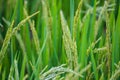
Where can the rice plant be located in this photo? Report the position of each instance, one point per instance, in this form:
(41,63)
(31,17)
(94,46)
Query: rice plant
(59,39)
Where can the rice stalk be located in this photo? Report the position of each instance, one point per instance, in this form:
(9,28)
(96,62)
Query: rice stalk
(6,21)
(25,77)
(16,70)
(1,25)
(10,76)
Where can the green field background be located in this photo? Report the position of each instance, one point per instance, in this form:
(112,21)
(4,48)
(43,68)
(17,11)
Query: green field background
(59,39)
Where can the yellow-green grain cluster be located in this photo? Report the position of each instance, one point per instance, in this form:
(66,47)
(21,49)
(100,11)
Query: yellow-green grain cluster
(70,46)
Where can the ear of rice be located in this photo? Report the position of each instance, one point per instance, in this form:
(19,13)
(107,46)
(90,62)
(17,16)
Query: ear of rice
(76,19)
(11,32)
(10,77)
(116,74)
(56,71)
(23,22)
(6,42)
(108,42)
(70,46)
(35,36)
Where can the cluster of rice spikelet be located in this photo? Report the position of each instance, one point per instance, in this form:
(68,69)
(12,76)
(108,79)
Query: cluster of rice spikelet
(34,33)
(70,46)
(12,31)
(6,42)
(76,18)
